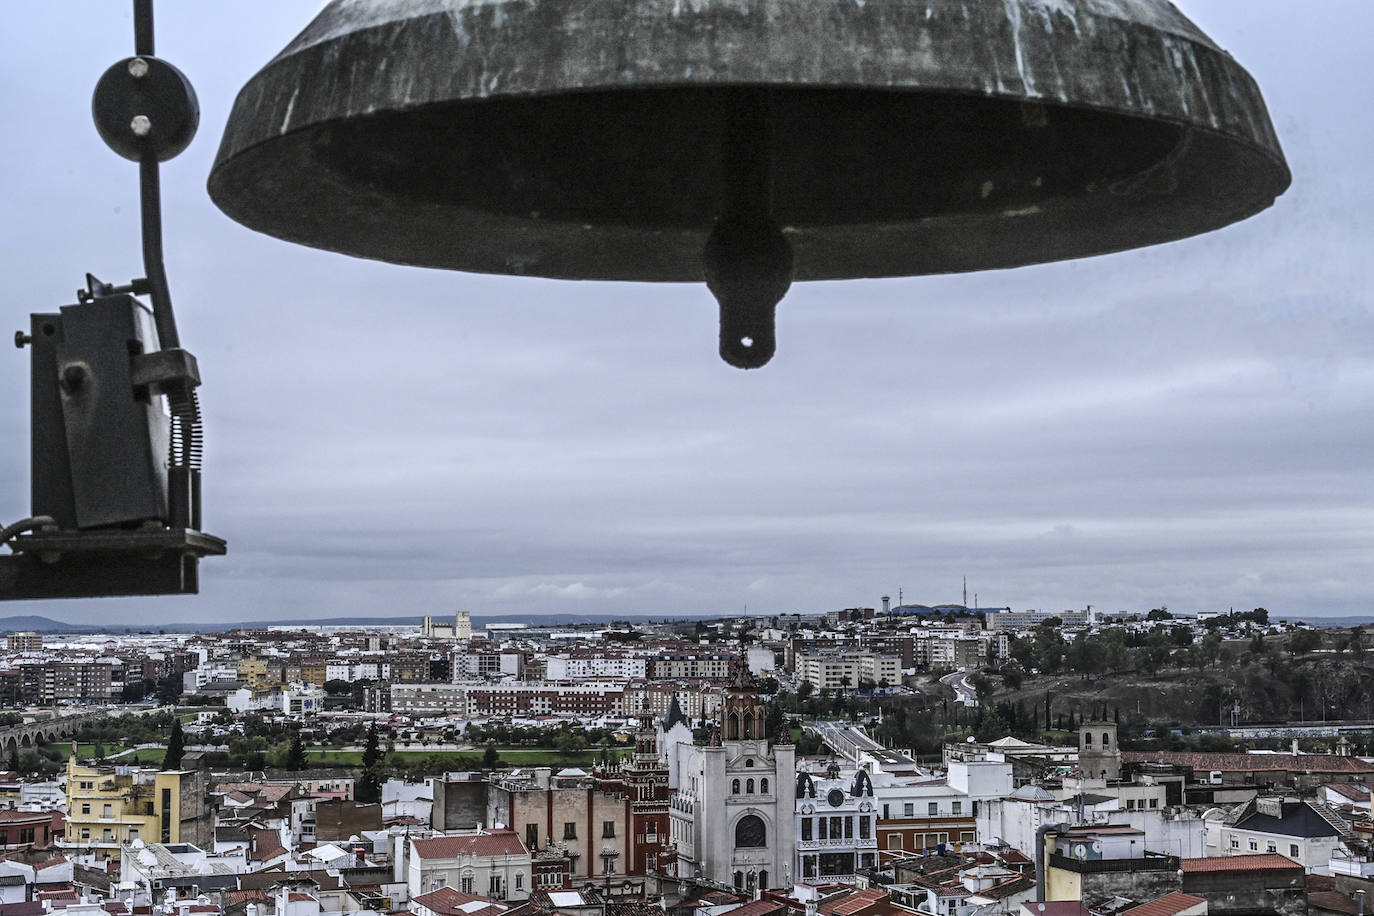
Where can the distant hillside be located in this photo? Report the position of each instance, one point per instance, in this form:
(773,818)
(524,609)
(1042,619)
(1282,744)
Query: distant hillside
(41,624)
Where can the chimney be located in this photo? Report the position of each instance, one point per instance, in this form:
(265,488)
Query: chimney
(360,856)
(1295,746)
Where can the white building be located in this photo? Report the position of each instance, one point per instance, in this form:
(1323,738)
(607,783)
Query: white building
(837,826)
(733,815)
(495,862)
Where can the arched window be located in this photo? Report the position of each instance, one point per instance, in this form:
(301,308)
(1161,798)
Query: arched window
(749,787)
(1106,738)
(734,787)
(751,832)
(739,880)
(749,761)
(763,786)
(1087,739)
(763,880)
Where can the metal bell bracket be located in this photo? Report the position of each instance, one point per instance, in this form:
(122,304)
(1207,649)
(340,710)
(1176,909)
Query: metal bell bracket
(115,478)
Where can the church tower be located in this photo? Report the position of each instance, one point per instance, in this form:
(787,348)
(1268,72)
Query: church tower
(733,815)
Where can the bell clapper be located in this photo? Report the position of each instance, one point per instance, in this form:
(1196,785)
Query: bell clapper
(747,260)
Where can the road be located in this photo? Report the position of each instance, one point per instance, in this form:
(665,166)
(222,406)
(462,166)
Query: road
(963,690)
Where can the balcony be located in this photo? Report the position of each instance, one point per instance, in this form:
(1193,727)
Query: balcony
(850,843)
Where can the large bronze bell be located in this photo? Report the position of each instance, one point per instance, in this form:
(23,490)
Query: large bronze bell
(745,142)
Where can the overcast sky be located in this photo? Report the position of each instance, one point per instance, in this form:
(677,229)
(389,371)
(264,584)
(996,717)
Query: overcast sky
(1187,425)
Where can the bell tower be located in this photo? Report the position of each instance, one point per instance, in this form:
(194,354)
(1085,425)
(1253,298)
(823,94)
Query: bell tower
(743,713)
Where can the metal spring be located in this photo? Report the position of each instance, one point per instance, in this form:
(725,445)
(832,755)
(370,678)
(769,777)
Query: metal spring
(186,441)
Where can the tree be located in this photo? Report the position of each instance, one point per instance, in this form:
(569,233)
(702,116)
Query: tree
(491,757)
(804,690)
(175,747)
(295,755)
(568,746)
(1301,642)
(369,787)
(1013,676)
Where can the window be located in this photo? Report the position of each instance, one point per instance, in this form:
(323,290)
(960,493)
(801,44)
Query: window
(1106,739)
(734,787)
(532,836)
(863,827)
(749,762)
(806,828)
(908,809)
(739,880)
(608,865)
(886,815)
(607,830)
(1235,843)
(763,880)
(763,787)
(107,812)
(519,880)
(751,832)
(1154,803)
(85,809)
(894,841)
(651,862)
(1254,846)
(1293,850)
(1272,847)
(958,808)
(749,787)
(569,830)
(494,886)
(932,809)
(1087,739)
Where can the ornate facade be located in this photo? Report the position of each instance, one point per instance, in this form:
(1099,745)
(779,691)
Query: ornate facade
(732,813)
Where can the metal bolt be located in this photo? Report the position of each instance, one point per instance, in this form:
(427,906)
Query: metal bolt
(73,377)
(21,339)
(138,68)
(140,125)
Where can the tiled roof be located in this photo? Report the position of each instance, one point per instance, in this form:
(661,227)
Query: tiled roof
(1167,905)
(1264,861)
(853,903)
(264,844)
(1350,790)
(760,907)
(1332,901)
(1253,763)
(497,843)
(449,902)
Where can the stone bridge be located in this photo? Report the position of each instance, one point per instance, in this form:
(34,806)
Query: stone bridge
(15,739)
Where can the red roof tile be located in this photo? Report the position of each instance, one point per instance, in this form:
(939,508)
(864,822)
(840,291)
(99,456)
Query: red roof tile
(449,902)
(497,843)
(1264,861)
(1253,763)
(1167,905)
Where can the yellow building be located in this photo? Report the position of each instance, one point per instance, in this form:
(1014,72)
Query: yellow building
(253,675)
(109,806)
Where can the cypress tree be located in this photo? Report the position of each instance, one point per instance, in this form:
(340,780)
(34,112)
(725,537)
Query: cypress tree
(175,746)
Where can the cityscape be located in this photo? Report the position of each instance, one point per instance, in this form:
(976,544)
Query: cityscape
(894,759)
(1027,571)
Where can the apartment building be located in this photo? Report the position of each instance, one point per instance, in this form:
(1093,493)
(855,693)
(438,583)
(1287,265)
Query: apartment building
(677,666)
(110,806)
(849,670)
